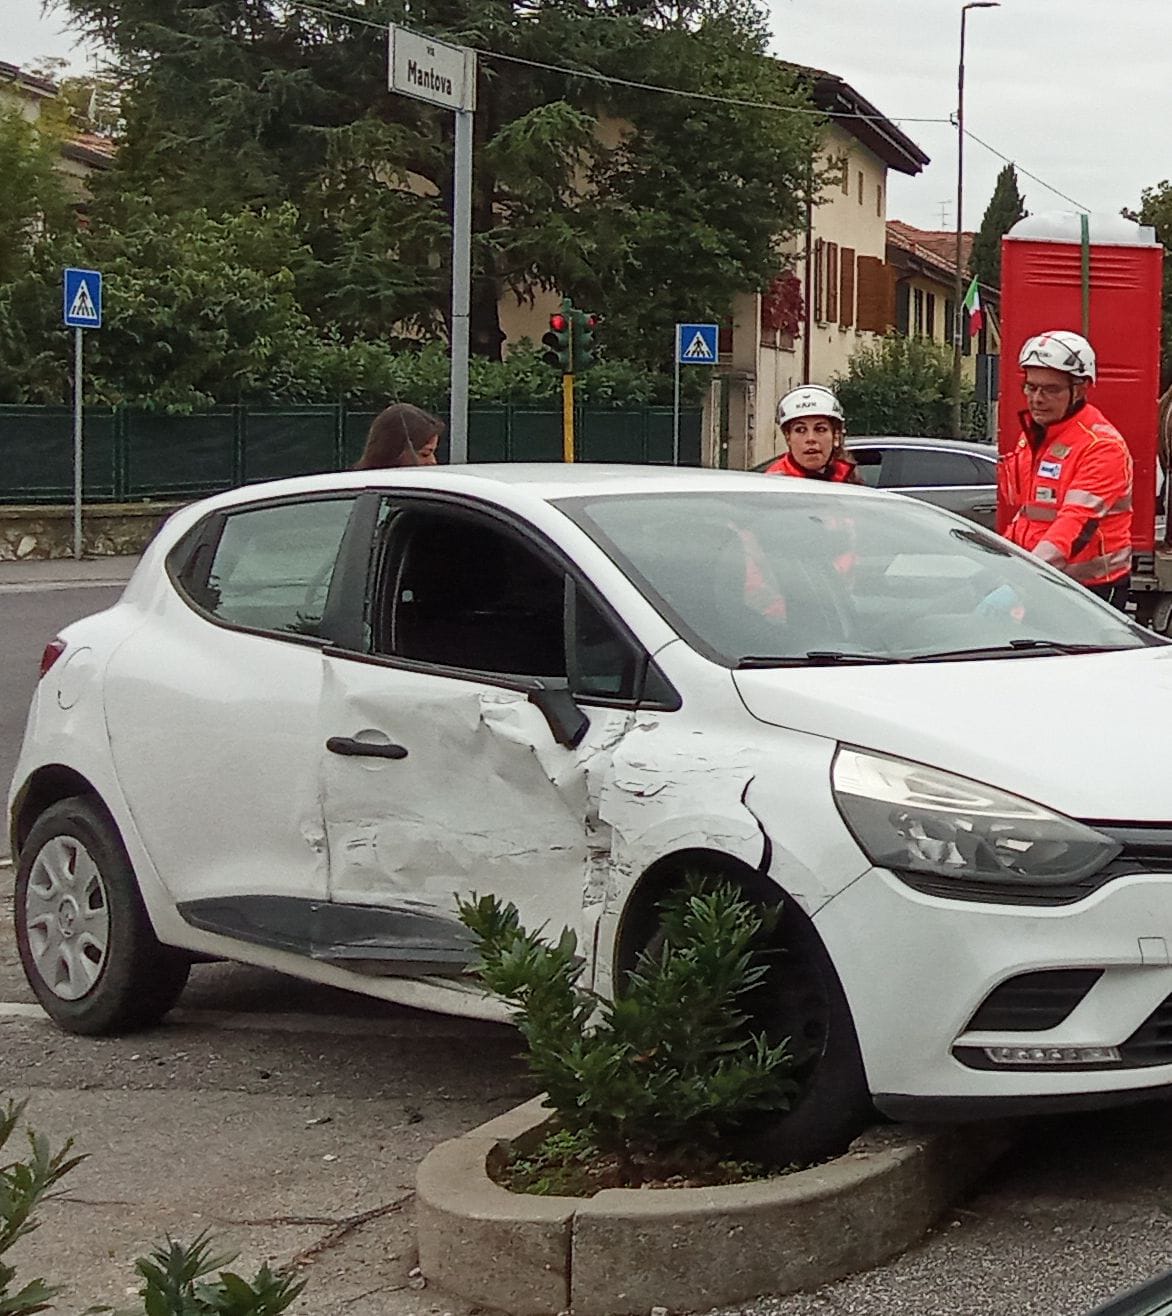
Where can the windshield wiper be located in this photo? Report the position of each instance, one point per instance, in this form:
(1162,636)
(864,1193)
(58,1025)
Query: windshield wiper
(1023,648)
(813,658)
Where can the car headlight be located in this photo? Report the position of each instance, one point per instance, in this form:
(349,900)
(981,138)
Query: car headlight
(918,819)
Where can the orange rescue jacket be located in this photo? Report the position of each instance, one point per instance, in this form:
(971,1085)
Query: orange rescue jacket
(837,472)
(1067,495)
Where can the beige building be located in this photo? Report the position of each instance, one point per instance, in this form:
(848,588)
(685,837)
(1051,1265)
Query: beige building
(923,273)
(81,153)
(846,286)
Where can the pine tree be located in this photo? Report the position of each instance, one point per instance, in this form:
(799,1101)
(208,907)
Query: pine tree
(1005,208)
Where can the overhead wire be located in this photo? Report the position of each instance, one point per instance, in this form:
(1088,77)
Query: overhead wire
(711,97)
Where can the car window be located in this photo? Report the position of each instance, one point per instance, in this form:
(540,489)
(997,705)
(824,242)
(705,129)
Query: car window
(271,567)
(814,574)
(461,591)
(868,464)
(929,468)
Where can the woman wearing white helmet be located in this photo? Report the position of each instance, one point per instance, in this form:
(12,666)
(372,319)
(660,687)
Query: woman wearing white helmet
(813,425)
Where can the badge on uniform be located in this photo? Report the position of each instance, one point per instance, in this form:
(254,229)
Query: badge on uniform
(1050,470)
(1042,495)
(1061,450)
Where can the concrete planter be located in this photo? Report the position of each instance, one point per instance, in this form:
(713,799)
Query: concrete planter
(628,1250)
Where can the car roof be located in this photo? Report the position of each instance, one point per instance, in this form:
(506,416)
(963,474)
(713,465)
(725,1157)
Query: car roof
(986,450)
(544,481)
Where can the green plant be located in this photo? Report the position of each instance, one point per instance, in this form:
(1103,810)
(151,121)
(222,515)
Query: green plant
(24,1185)
(176,1283)
(671,1063)
(898,386)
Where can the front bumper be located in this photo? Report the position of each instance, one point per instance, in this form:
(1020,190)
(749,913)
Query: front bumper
(921,975)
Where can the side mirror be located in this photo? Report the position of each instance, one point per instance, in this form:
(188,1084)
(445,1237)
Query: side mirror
(567,723)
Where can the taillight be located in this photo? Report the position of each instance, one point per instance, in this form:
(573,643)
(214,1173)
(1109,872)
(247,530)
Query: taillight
(53,650)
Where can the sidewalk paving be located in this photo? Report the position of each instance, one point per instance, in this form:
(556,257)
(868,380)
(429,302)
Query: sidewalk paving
(67,571)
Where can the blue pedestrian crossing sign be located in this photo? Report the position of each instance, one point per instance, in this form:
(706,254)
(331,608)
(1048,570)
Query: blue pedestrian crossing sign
(696,344)
(83,299)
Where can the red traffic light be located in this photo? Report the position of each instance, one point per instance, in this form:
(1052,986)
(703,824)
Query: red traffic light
(591,321)
(558,323)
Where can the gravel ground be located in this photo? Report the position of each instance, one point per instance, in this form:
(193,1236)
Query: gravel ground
(1080,1211)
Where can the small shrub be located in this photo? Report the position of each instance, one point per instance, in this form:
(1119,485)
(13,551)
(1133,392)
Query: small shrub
(24,1185)
(670,1069)
(899,386)
(176,1283)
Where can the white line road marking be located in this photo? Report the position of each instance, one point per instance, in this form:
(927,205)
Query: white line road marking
(336,1025)
(43,587)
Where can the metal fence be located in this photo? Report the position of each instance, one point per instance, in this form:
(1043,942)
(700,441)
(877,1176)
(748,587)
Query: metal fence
(132,456)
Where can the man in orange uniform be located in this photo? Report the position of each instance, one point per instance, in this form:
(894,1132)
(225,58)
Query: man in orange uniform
(1066,486)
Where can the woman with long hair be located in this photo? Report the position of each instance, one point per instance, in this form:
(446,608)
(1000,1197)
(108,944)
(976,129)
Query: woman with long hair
(401,435)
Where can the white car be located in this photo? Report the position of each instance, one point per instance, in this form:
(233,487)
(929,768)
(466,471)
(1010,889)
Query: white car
(325,707)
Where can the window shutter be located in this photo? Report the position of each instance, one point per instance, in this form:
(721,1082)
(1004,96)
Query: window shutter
(831,282)
(846,293)
(818,271)
(876,295)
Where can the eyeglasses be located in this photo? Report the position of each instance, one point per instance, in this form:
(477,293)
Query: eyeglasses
(1044,390)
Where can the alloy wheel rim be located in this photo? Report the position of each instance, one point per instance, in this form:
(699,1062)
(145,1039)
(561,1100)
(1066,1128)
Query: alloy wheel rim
(67,918)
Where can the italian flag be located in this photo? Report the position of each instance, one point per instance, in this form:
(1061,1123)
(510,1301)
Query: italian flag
(972,305)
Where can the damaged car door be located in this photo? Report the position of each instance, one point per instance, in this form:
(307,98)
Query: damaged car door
(466,748)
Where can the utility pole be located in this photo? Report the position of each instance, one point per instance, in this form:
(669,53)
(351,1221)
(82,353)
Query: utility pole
(958,281)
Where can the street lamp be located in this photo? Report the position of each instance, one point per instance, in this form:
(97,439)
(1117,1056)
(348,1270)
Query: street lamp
(958,285)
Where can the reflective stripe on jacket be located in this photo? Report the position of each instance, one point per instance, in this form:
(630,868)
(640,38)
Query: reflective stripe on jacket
(837,472)
(1069,498)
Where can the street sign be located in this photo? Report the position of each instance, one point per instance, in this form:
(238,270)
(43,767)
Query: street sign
(696,344)
(83,299)
(82,309)
(432,70)
(445,75)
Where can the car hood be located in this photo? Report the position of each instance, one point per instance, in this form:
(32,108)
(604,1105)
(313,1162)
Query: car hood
(1083,734)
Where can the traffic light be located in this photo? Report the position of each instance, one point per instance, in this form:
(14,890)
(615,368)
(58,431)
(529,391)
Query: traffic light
(558,340)
(585,327)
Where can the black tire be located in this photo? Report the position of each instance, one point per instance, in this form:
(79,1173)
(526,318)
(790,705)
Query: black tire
(86,942)
(801,1002)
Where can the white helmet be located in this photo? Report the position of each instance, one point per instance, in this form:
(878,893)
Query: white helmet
(809,400)
(1059,349)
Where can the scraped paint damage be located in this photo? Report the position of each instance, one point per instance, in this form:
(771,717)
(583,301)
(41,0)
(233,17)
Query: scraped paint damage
(594,818)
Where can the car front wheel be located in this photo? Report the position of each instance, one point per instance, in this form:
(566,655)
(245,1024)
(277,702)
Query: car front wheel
(85,939)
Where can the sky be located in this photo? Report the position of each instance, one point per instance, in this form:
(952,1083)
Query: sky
(1076,92)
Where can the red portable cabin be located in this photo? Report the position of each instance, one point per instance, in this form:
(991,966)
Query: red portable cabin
(1052,267)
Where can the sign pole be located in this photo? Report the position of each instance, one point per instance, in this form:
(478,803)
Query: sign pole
(78,339)
(445,75)
(461,285)
(675,413)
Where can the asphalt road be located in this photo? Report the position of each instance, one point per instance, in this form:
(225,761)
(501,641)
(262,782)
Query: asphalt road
(28,621)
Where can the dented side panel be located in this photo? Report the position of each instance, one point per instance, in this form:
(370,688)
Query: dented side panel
(485,801)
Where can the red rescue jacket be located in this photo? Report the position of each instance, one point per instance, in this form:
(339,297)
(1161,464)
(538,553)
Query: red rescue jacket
(837,472)
(1067,494)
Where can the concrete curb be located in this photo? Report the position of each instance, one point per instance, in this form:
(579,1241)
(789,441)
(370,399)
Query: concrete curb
(625,1251)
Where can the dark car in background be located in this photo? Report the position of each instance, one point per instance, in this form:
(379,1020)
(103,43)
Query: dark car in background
(951,473)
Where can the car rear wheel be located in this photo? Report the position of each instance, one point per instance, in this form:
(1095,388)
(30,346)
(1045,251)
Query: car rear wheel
(86,942)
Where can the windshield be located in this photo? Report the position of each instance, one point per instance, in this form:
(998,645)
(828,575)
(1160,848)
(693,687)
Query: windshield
(764,578)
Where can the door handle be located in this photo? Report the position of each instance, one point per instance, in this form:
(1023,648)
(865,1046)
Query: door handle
(348,747)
